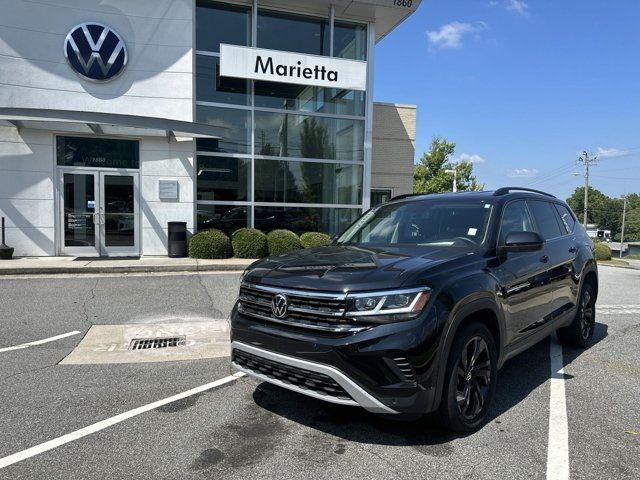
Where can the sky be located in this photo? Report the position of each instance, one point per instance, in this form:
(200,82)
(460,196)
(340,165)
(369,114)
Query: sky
(522,87)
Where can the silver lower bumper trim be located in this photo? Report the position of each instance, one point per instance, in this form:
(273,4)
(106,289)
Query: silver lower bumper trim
(359,395)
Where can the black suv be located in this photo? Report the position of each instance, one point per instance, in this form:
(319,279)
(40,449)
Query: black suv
(415,307)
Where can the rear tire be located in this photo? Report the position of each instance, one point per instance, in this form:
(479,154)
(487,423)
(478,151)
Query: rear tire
(470,380)
(579,334)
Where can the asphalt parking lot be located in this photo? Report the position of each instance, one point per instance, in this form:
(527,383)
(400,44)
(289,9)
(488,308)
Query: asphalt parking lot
(65,421)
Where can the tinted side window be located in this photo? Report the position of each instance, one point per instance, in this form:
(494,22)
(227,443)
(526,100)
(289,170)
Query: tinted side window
(566,218)
(545,216)
(515,218)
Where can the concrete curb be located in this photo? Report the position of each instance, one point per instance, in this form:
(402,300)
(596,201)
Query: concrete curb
(235,266)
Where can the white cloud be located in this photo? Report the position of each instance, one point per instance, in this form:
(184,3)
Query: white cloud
(451,34)
(469,158)
(522,173)
(611,152)
(518,6)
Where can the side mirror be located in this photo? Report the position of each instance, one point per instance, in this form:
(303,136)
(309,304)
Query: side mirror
(522,242)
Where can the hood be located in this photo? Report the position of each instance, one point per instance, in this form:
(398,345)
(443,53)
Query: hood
(340,268)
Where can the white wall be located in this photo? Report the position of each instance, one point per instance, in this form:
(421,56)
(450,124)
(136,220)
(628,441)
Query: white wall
(160,160)
(26,190)
(157,81)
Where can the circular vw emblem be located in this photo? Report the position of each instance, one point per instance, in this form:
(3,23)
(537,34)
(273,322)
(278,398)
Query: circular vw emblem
(280,305)
(95,52)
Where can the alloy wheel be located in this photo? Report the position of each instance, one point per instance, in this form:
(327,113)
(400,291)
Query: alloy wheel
(473,377)
(586,312)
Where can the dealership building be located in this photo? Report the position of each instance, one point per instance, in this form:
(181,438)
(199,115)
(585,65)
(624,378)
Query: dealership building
(118,117)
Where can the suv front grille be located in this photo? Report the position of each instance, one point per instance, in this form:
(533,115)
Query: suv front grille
(298,377)
(306,309)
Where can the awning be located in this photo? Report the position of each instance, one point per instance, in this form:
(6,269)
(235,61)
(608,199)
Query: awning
(106,123)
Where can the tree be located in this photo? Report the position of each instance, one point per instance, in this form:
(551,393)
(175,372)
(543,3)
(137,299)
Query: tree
(604,211)
(429,174)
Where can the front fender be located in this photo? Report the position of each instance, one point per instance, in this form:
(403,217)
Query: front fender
(456,303)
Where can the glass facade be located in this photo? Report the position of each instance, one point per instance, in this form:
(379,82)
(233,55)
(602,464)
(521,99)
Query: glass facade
(292,156)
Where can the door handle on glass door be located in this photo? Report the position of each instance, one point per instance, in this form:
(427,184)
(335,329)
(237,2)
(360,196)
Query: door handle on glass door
(94,219)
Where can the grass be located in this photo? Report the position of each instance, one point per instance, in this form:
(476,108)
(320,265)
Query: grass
(615,263)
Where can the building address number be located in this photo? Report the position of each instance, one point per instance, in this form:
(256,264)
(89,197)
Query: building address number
(403,3)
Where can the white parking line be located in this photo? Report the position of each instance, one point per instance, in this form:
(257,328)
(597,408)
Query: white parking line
(96,427)
(39,342)
(558,449)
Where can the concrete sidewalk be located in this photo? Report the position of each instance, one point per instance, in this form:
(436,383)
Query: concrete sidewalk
(79,265)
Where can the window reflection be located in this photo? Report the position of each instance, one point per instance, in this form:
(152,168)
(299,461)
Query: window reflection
(311,99)
(223,178)
(293,33)
(307,182)
(211,87)
(350,41)
(234,124)
(227,218)
(300,219)
(218,23)
(292,135)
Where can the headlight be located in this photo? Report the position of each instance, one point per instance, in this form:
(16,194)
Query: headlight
(388,306)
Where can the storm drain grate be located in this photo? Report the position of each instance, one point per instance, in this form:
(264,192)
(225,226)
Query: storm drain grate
(160,342)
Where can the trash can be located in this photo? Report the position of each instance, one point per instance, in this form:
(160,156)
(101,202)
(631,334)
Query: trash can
(177,233)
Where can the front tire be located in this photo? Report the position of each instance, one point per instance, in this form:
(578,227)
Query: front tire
(580,333)
(470,380)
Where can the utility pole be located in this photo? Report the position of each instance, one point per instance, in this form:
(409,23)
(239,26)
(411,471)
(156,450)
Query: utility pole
(624,214)
(587,159)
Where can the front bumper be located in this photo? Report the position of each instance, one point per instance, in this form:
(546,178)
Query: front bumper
(387,368)
(356,395)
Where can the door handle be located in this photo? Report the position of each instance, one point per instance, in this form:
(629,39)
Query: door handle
(544,259)
(94,219)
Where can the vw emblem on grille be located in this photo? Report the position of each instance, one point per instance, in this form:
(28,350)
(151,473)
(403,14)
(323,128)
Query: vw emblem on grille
(95,52)
(280,305)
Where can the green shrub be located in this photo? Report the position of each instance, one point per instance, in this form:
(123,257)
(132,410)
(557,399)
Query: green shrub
(602,251)
(282,241)
(210,244)
(314,239)
(249,243)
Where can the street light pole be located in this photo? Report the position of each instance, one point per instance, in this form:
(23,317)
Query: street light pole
(455,178)
(624,214)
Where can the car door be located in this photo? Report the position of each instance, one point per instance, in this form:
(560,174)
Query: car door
(557,256)
(567,277)
(523,276)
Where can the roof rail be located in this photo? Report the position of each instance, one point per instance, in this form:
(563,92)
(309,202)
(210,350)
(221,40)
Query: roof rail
(406,195)
(505,190)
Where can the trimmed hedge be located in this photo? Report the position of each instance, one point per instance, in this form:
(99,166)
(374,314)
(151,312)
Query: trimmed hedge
(314,239)
(602,252)
(249,243)
(282,241)
(210,244)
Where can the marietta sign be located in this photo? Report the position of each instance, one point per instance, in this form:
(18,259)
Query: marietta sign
(288,67)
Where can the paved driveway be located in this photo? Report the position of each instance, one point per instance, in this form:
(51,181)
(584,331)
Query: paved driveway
(117,420)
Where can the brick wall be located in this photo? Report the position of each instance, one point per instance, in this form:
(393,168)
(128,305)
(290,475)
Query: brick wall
(394,135)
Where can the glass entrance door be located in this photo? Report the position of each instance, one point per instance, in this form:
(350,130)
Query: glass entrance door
(118,214)
(99,213)
(79,214)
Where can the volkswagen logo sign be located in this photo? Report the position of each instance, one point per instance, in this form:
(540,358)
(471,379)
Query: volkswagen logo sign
(280,305)
(95,52)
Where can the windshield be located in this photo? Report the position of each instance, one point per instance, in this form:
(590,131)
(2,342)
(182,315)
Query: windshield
(427,223)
